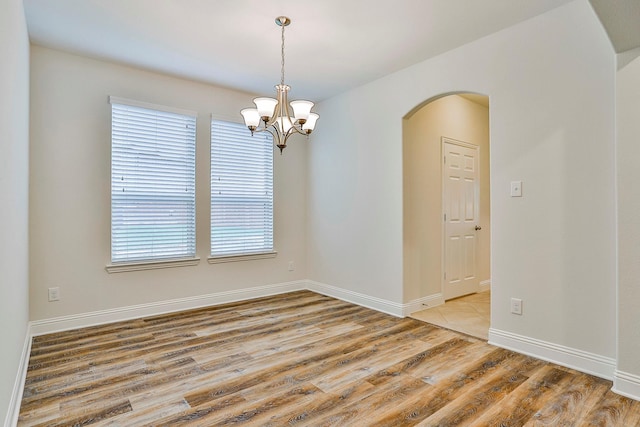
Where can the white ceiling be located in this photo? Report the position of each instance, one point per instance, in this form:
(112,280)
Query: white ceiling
(621,19)
(331,45)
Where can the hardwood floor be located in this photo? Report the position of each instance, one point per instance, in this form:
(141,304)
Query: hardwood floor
(301,359)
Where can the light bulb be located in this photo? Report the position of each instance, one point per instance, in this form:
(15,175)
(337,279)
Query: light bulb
(310,124)
(301,109)
(265,107)
(251,118)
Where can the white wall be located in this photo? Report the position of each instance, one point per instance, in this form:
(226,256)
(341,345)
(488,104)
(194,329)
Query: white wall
(14,187)
(628,151)
(463,120)
(551,84)
(70,190)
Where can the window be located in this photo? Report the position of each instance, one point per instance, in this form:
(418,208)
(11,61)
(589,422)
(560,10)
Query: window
(152,183)
(241,191)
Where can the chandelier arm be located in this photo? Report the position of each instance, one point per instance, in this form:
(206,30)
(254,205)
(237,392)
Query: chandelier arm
(272,120)
(286,137)
(274,115)
(259,129)
(298,129)
(288,113)
(285,109)
(282,103)
(281,142)
(277,137)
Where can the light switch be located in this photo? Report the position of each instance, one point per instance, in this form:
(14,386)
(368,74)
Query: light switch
(516,306)
(516,188)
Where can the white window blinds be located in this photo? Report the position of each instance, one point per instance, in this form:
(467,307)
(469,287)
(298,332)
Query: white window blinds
(152,182)
(241,190)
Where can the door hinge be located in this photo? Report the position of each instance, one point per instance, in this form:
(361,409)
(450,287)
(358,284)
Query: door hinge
(445,217)
(445,160)
(445,275)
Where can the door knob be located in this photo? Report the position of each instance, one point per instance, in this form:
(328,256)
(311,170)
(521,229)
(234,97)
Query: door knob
(478,228)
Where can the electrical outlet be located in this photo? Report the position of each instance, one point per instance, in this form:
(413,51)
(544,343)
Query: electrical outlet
(516,188)
(54,294)
(516,306)
(291,266)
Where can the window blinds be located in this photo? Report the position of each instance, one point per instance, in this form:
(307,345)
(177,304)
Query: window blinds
(241,190)
(152,183)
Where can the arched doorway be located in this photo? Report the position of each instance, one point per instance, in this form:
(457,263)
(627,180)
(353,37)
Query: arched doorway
(454,120)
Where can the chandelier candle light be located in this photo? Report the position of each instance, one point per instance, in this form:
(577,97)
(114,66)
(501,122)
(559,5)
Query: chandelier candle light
(275,114)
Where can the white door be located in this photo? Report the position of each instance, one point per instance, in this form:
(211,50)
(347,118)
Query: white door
(460,199)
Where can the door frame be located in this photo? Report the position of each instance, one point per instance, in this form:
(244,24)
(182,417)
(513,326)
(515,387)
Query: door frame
(446,140)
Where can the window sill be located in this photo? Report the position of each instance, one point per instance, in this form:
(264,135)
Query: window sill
(245,257)
(150,265)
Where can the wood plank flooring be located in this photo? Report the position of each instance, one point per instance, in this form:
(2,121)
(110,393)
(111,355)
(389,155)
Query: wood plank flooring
(301,359)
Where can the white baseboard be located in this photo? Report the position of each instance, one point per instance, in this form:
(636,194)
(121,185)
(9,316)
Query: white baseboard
(485,286)
(83,320)
(13,412)
(583,361)
(379,304)
(626,384)
(423,303)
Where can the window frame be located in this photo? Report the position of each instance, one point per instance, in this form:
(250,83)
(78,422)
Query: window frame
(254,255)
(151,262)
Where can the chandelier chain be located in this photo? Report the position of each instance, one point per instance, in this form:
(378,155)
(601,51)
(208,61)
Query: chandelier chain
(282,52)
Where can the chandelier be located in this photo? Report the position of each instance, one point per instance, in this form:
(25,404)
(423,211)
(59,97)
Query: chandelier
(274,115)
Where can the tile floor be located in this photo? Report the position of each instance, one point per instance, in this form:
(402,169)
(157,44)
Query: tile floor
(469,314)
